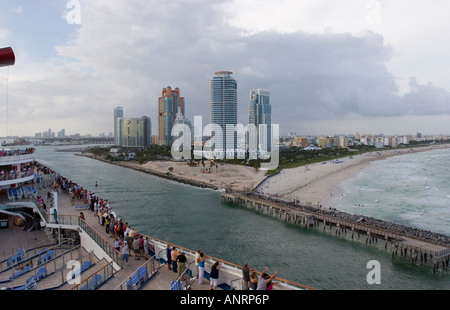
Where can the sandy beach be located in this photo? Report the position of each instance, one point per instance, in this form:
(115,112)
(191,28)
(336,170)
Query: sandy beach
(314,183)
(310,184)
(223,176)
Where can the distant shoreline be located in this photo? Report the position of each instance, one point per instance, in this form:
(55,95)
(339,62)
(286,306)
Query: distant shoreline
(310,184)
(313,184)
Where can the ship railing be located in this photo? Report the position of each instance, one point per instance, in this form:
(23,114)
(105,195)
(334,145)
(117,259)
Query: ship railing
(16,175)
(73,220)
(278,284)
(100,241)
(41,210)
(53,265)
(183,278)
(235,287)
(16,157)
(226,263)
(139,278)
(97,279)
(31,253)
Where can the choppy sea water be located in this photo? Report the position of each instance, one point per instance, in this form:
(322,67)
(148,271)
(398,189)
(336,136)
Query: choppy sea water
(196,218)
(411,189)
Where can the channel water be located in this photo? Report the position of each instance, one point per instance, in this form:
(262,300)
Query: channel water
(196,218)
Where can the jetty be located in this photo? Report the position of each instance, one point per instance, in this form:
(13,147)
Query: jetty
(426,246)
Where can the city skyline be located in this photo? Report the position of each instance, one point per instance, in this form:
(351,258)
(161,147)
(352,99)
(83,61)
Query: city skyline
(355,66)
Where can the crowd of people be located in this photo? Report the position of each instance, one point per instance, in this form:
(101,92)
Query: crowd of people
(355,218)
(129,242)
(25,169)
(4,152)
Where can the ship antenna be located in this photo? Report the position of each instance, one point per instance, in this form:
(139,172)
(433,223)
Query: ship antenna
(7,58)
(7,100)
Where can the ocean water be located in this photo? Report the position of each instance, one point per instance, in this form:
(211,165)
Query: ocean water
(411,189)
(197,219)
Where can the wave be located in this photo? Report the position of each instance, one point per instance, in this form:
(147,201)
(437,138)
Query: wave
(433,188)
(416,188)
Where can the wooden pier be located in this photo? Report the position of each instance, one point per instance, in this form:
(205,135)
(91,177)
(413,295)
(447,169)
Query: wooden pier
(401,244)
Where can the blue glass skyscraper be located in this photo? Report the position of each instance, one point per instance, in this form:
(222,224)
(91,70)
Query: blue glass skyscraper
(260,115)
(223,109)
(118,114)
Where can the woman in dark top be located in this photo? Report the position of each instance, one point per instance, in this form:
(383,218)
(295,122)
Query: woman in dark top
(214,275)
(253,283)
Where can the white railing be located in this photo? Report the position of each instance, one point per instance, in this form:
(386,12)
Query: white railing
(11,159)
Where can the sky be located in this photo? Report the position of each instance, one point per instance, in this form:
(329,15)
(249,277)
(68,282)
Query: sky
(332,67)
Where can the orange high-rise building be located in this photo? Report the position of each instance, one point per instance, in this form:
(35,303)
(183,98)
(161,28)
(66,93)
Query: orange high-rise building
(169,104)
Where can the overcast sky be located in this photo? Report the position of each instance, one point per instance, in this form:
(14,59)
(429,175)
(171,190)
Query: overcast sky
(332,67)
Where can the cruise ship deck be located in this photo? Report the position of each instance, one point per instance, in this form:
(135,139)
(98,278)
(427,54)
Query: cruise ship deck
(115,274)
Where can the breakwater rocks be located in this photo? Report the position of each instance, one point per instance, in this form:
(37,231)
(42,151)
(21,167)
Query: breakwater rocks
(160,174)
(369,221)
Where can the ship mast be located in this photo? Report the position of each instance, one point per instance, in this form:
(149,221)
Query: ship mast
(7,58)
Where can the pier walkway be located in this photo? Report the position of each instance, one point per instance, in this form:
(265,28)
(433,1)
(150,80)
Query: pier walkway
(401,243)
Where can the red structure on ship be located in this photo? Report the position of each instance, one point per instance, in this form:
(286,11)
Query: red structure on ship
(7,57)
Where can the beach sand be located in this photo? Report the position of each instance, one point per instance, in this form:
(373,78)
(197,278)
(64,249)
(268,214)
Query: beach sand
(310,184)
(314,183)
(235,177)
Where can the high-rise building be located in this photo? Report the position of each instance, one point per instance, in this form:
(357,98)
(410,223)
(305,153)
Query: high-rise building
(118,113)
(136,132)
(169,104)
(223,109)
(61,133)
(260,115)
(182,120)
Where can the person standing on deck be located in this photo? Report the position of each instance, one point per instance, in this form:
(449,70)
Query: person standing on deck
(214,275)
(264,279)
(201,267)
(141,246)
(181,262)
(245,276)
(173,256)
(136,248)
(125,252)
(55,216)
(169,257)
(197,256)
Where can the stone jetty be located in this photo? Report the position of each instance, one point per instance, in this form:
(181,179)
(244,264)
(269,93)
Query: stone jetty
(164,175)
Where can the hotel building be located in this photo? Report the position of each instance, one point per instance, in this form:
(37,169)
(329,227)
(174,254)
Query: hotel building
(260,115)
(132,132)
(118,113)
(136,132)
(169,104)
(223,110)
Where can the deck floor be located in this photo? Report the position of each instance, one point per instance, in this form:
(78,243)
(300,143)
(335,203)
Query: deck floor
(13,238)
